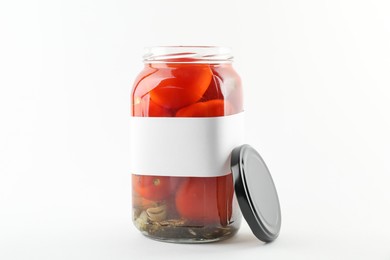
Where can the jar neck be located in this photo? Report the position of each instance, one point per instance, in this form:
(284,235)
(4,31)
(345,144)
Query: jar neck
(188,55)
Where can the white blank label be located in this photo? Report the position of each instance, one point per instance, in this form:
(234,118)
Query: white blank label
(177,146)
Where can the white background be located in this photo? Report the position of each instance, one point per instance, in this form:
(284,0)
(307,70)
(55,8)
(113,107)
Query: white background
(317,98)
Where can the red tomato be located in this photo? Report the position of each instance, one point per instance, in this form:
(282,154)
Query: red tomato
(145,81)
(154,187)
(214,91)
(181,85)
(226,84)
(146,107)
(210,108)
(206,200)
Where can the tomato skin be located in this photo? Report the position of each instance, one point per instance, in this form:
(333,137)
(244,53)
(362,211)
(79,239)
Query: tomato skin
(214,91)
(182,85)
(154,188)
(206,200)
(146,107)
(212,108)
(226,84)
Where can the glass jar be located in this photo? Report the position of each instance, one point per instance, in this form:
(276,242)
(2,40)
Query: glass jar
(186,119)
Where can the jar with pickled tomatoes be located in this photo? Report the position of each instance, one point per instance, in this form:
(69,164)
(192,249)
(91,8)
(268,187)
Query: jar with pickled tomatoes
(186,118)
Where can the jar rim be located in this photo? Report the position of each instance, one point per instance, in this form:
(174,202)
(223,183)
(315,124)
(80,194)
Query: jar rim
(188,54)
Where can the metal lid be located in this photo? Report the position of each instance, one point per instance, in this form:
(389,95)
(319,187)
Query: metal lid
(256,193)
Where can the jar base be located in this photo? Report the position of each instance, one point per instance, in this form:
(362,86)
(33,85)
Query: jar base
(230,232)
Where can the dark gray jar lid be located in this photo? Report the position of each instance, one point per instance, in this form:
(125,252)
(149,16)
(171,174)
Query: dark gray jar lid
(256,193)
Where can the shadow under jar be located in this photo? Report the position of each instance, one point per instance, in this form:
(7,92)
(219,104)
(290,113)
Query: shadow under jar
(184,89)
